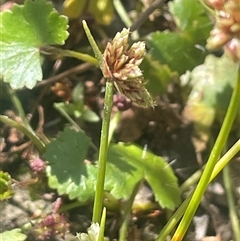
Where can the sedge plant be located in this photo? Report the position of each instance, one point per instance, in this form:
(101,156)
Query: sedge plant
(120,68)
(226,33)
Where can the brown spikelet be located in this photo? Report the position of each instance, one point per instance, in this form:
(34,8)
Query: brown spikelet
(121,65)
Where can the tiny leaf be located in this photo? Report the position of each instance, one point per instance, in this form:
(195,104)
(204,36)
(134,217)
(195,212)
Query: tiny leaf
(24,30)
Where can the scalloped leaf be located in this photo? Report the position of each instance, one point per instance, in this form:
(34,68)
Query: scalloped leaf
(14,234)
(24,30)
(154,169)
(184,49)
(70,174)
(121,176)
(67,171)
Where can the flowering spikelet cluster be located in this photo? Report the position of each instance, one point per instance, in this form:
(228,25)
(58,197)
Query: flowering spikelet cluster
(226,31)
(121,65)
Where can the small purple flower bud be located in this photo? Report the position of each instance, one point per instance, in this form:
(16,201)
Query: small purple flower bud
(122,102)
(37,165)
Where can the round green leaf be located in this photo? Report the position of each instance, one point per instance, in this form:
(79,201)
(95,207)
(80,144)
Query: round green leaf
(24,30)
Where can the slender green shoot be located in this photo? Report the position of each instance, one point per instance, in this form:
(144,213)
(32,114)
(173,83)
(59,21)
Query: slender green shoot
(30,134)
(213,158)
(125,17)
(93,44)
(113,125)
(103,150)
(126,214)
(102,225)
(180,211)
(231,203)
(81,56)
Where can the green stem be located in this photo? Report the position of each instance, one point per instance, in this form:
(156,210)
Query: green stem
(127,213)
(93,44)
(71,53)
(102,225)
(231,203)
(193,179)
(103,150)
(113,125)
(78,55)
(124,17)
(59,107)
(66,207)
(98,200)
(213,158)
(17,104)
(180,211)
(225,159)
(30,134)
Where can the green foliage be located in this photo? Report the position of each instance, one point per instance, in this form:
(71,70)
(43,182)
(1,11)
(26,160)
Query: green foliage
(133,160)
(157,75)
(5,186)
(71,175)
(92,235)
(14,234)
(24,30)
(67,171)
(211,92)
(211,82)
(182,50)
(28,29)
(190,17)
(77,107)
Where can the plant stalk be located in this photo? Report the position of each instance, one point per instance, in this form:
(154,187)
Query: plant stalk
(180,211)
(93,44)
(126,214)
(103,151)
(231,203)
(70,53)
(29,133)
(78,55)
(213,158)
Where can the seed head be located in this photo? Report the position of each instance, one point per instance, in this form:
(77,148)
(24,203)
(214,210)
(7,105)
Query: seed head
(121,65)
(226,32)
